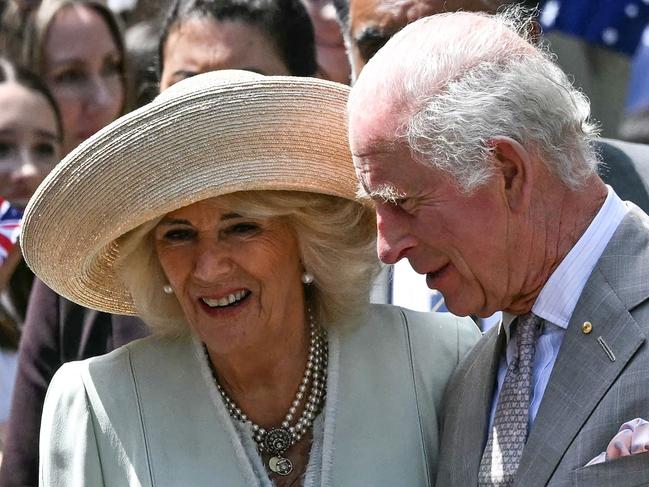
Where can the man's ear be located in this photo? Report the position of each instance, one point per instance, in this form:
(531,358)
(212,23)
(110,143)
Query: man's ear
(513,164)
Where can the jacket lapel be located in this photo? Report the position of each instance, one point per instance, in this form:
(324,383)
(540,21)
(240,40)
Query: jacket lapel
(466,426)
(372,442)
(584,371)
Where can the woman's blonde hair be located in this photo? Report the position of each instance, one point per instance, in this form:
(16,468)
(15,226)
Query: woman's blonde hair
(336,239)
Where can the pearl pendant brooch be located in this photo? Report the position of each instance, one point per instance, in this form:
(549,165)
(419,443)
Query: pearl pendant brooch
(277,440)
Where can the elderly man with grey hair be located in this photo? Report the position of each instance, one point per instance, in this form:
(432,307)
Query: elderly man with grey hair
(367,25)
(479,156)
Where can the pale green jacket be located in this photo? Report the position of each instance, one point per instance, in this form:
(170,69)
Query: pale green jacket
(148,413)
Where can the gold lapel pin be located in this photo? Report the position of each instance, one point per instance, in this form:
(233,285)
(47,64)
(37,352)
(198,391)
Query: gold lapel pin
(587,327)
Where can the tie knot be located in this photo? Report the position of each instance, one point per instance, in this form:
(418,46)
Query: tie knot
(527,329)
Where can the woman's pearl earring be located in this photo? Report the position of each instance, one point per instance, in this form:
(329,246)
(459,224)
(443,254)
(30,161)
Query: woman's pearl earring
(307,278)
(168,289)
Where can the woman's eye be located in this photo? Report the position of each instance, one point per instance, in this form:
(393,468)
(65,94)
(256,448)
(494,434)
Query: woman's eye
(71,76)
(242,229)
(45,149)
(5,149)
(112,68)
(178,234)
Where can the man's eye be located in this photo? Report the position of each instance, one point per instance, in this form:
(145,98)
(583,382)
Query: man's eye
(393,202)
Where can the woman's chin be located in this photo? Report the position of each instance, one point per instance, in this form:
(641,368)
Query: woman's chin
(223,329)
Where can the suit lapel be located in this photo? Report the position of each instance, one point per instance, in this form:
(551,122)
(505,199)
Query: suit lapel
(584,371)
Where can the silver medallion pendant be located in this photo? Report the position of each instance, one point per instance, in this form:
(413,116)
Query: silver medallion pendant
(280,465)
(277,441)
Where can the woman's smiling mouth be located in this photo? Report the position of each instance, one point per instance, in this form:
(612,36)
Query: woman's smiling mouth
(232,299)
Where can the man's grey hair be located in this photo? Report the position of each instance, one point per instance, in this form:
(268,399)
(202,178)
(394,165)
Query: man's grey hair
(466,79)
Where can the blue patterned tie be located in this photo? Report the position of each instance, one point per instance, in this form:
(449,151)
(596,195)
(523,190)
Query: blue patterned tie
(508,433)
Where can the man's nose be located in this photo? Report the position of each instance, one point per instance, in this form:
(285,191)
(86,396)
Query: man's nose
(393,236)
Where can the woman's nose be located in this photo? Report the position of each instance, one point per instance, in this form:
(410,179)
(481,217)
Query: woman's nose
(212,263)
(26,168)
(98,94)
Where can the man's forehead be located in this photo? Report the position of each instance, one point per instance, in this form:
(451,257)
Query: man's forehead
(388,174)
(373,151)
(374,119)
(380,163)
(373,172)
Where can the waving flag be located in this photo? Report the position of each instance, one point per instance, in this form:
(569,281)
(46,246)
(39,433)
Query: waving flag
(10,224)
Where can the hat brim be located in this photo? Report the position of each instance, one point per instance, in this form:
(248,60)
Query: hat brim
(214,134)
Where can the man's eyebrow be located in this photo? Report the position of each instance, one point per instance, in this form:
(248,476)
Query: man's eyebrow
(361,192)
(385,193)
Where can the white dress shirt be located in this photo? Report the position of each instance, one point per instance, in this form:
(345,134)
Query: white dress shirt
(558,298)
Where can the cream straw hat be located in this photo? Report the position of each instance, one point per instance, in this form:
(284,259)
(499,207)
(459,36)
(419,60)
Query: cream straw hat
(209,135)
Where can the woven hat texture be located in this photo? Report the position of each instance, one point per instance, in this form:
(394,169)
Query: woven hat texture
(207,136)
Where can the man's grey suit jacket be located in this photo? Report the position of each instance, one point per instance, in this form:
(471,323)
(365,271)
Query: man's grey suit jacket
(626,168)
(589,394)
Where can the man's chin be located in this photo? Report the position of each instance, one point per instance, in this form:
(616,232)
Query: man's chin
(459,309)
(461,306)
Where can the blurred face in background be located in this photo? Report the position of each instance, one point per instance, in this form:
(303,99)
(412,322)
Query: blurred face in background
(82,67)
(29,142)
(373,22)
(202,44)
(28,5)
(333,63)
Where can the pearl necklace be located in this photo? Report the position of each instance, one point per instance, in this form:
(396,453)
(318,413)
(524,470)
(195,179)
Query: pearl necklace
(278,439)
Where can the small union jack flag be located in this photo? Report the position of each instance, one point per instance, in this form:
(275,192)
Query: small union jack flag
(10,224)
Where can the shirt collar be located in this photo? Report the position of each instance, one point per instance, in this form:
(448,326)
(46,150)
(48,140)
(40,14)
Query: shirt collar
(558,297)
(506,324)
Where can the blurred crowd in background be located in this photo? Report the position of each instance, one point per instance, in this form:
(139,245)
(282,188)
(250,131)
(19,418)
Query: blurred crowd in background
(70,67)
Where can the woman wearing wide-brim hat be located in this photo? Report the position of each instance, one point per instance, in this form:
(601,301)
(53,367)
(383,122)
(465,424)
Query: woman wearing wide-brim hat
(224,214)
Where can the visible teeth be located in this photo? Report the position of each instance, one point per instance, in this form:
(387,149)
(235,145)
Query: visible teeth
(225,301)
